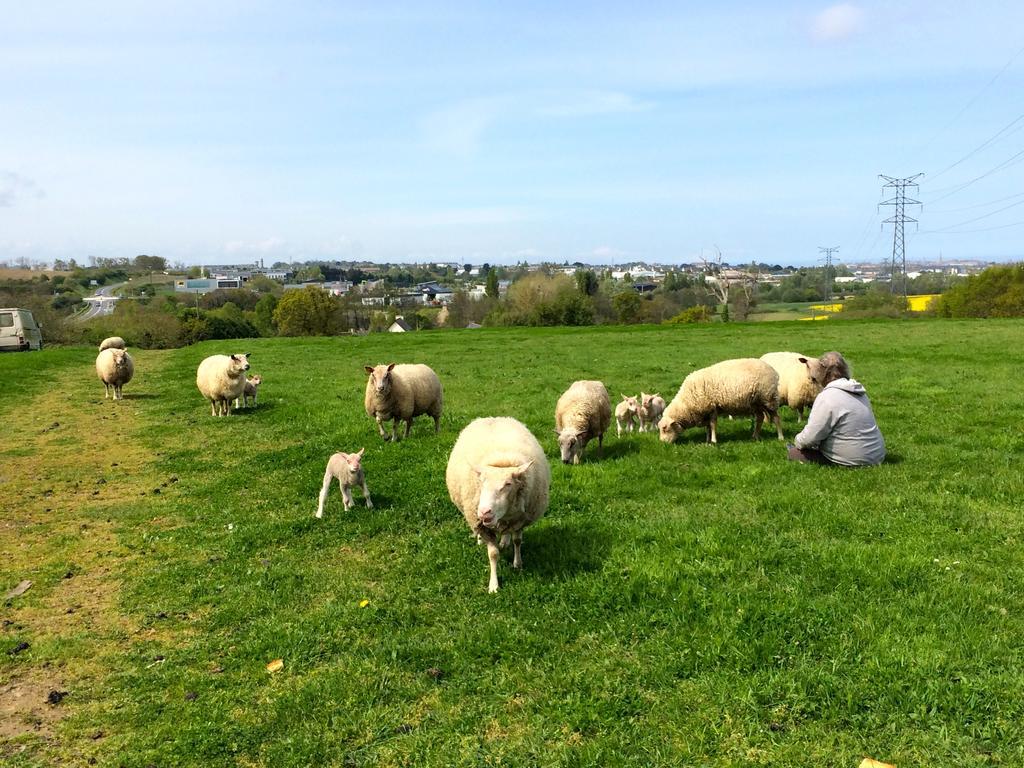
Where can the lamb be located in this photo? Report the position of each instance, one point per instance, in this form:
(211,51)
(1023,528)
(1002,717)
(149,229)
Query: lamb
(745,386)
(113,342)
(251,390)
(221,379)
(115,368)
(499,478)
(347,469)
(797,386)
(583,412)
(402,392)
(651,408)
(627,415)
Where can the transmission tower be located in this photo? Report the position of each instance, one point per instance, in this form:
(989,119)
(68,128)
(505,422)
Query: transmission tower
(899,250)
(827,258)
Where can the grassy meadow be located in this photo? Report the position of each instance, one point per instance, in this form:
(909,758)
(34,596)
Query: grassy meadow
(679,605)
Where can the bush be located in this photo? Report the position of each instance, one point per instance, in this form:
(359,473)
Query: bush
(996,292)
(697,314)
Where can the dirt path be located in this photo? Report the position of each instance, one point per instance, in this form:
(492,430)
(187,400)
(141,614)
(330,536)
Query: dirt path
(69,466)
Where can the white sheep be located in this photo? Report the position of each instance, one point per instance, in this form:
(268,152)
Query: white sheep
(651,408)
(627,415)
(347,469)
(746,386)
(797,387)
(115,368)
(252,386)
(221,379)
(582,413)
(113,342)
(499,478)
(402,392)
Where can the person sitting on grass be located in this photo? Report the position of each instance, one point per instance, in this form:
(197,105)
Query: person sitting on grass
(841,428)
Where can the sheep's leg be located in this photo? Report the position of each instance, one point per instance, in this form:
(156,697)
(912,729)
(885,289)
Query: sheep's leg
(366,495)
(437,424)
(346,495)
(778,425)
(799,414)
(504,540)
(394,430)
(226,405)
(408,426)
(492,556)
(380,427)
(600,446)
(324,490)
(106,390)
(713,427)
(758,418)
(517,542)
(213,408)
(618,428)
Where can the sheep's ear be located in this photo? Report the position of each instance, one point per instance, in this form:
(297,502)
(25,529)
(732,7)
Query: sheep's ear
(802,360)
(624,397)
(557,433)
(521,469)
(368,369)
(235,358)
(390,366)
(360,453)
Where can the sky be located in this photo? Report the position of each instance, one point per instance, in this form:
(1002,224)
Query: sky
(503,132)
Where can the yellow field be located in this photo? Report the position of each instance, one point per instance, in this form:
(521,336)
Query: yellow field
(838,307)
(920,303)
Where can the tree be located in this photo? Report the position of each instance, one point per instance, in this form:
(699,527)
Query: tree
(627,306)
(263,315)
(467,268)
(307,312)
(996,292)
(309,274)
(491,288)
(586,282)
(151,263)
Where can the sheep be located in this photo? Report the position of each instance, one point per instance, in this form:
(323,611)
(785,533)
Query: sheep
(743,386)
(221,379)
(113,342)
(402,392)
(627,415)
(115,368)
(583,412)
(651,408)
(797,387)
(499,478)
(347,469)
(251,389)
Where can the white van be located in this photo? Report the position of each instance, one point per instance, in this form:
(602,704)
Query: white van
(19,331)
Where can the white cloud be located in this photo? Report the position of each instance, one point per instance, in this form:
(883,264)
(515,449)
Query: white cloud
(14,186)
(837,23)
(270,245)
(460,128)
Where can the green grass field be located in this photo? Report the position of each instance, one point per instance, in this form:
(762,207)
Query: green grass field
(679,605)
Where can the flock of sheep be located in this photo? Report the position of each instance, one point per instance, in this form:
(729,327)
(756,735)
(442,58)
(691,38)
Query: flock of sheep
(497,474)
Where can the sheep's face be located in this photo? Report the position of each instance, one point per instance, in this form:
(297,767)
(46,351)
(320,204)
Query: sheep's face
(815,370)
(499,487)
(380,379)
(354,460)
(632,406)
(256,380)
(647,401)
(239,365)
(120,358)
(571,445)
(668,430)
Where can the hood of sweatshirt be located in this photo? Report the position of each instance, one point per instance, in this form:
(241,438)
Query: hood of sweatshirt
(852,386)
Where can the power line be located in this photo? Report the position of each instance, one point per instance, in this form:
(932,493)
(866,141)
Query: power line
(972,102)
(979,218)
(975,207)
(899,200)
(979,229)
(1013,159)
(980,147)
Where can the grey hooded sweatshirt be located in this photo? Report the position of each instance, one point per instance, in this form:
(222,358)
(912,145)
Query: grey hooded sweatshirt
(842,426)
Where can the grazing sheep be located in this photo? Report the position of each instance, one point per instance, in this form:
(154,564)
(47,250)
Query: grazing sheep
(113,342)
(115,368)
(347,469)
(797,386)
(221,379)
(627,415)
(583,412)
(251,390)
(498,477)
(743,387)
(402,392)
(651,408)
